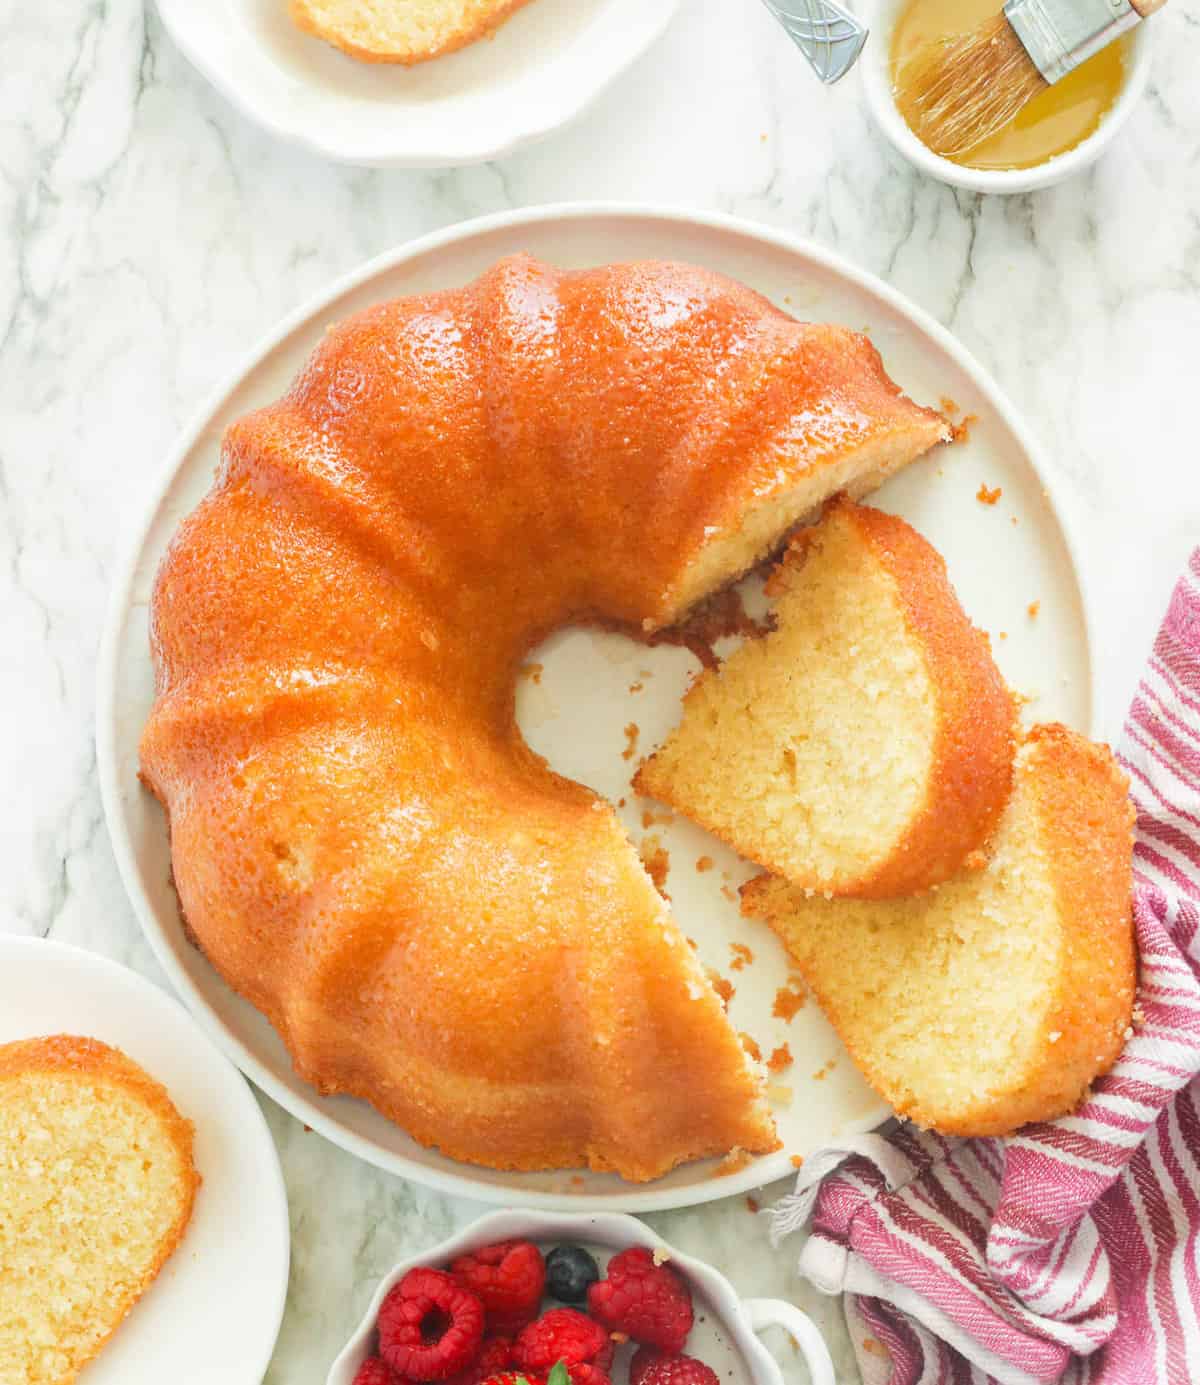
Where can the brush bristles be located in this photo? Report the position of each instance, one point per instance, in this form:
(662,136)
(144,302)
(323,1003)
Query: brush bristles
(961,91)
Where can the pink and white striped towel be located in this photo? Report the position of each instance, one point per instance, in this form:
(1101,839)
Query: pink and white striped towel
(1070,1251)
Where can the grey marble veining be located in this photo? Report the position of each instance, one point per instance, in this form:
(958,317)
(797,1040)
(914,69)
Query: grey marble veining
(148,235)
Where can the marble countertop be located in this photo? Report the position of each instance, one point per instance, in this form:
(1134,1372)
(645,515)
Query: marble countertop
(148,235)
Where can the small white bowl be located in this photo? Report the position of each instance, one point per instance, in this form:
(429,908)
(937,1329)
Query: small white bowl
(877,83)
(724,1334)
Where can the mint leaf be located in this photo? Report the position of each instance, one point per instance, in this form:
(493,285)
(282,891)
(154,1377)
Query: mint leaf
(558,1374)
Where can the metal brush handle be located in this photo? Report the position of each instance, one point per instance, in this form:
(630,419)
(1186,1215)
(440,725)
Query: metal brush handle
(828,36)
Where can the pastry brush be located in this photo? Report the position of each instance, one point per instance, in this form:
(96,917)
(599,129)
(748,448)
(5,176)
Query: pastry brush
(962,90)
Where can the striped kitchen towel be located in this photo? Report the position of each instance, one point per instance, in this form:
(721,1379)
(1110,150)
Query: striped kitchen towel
(1070,1251)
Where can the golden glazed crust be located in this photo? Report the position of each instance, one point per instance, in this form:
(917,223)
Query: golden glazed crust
(100,1066)
(971,771)
(489,17)
(362,842)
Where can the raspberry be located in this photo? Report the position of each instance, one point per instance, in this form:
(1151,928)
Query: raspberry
(650,1367)
(495,1358)
(429,1326)
(649,1302)
(373,1371)
(565,1335)
(585,1374)
(508,1278)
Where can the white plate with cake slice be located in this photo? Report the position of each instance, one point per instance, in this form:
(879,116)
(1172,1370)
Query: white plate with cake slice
(593,703)
(537,71)
(214,1309)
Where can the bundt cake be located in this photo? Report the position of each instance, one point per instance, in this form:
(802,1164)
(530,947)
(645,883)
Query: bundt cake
(362,842)
(97,1184)
(864,745)
(995,999)
(401,31)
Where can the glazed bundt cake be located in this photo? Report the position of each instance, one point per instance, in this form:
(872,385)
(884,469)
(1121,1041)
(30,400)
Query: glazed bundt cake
(362,842)
(995,999)
(864,745)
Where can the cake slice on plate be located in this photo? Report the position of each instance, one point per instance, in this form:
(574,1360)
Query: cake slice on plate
(96,1190)
(864,746)
(997,998)
(401,31)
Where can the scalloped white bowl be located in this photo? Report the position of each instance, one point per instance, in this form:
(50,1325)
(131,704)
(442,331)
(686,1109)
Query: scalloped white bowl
(538,71)
(726,1324)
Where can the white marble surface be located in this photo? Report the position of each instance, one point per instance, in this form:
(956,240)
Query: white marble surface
(148,235)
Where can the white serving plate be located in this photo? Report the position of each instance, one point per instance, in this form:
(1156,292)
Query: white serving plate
(214,1311)
(1002,558)
(539,70)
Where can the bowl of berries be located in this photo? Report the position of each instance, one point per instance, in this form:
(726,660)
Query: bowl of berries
(539,1298)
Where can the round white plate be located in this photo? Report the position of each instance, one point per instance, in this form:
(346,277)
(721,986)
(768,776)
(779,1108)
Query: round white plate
(539,70)
(1002,557)
(214,1311)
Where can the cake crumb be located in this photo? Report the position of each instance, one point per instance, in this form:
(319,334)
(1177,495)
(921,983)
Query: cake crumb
(1004,634)
(824,1070)
(620,803)
(703,863)
(620,1338)
(734,1162)
(1139,1015)
(781,1059)
(636,687)
(729,894)
(1014,521)
(751,1203)
(661,1255)
(947,405)
(741,956)
(961,431)
(797,1161)
(632,731)
(988,497)
(657,860)
(650,819)
(789,1002)
(532,672)
(723,987)
(750,1044)
(577,1180)
(1032,609)
(874,1348)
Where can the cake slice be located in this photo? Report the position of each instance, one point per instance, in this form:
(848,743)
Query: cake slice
(400,31)
(997,998)
(864,746)
(96,1190)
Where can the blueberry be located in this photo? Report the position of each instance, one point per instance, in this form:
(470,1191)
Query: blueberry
(570,1271)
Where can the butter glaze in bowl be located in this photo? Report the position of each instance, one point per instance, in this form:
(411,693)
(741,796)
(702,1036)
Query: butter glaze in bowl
(725,1334)
(875,65)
